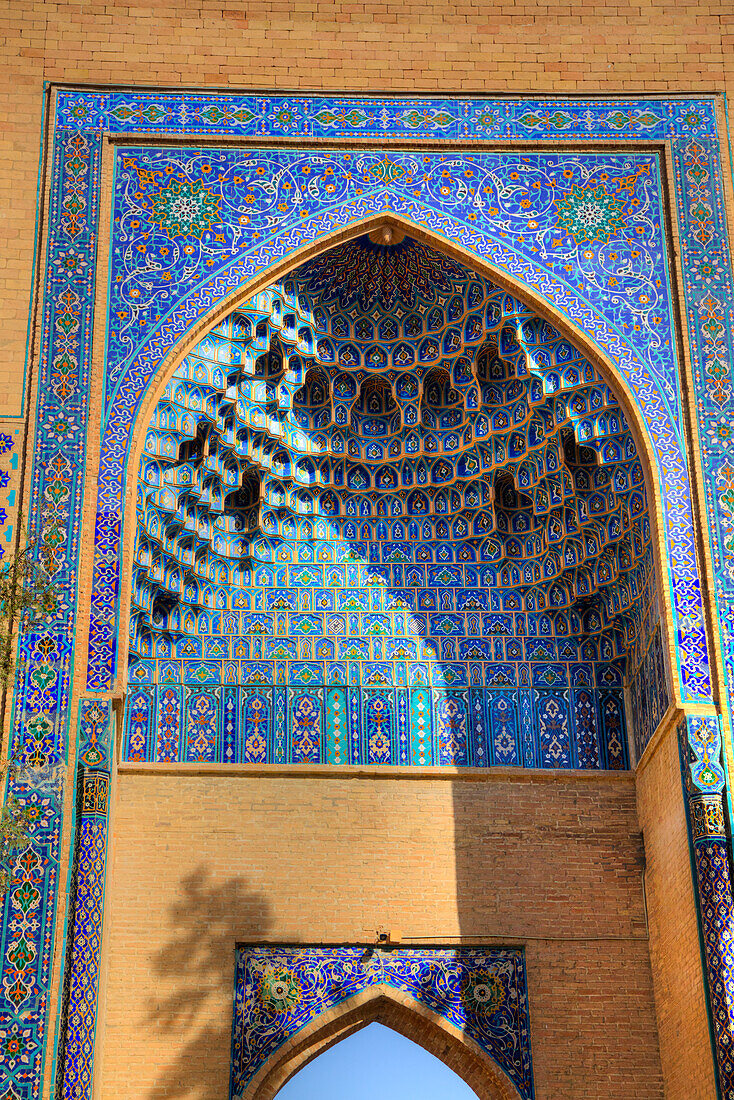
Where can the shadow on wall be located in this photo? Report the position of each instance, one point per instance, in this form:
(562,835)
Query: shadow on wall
(195,972)
(565,864)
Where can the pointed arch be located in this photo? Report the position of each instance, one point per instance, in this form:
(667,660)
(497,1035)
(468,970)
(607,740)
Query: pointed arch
(668,534)
(399,1011)
(483,266)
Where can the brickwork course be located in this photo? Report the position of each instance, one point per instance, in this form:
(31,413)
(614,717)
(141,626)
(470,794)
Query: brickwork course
(593,875)
(553,863)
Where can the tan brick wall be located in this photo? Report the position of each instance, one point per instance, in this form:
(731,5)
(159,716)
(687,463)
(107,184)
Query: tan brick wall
(202,862)
(675,953)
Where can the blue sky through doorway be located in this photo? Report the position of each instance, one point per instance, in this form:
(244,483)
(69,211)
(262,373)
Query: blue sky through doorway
(376,1063)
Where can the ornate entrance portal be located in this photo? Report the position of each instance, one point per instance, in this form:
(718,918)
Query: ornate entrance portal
(469,1006)
(379,448)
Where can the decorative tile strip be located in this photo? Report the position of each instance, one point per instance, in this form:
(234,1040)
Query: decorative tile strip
(42,699)
(86,943)
(700,740)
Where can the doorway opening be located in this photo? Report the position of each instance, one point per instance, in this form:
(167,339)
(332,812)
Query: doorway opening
(376,1061)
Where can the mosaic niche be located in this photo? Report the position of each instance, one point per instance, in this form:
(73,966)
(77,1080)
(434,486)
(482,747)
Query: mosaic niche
(480,991)
(388,515)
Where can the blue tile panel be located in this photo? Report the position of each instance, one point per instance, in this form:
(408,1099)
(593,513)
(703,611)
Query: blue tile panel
(649,698)
(482,992)
(366,117)
(540,727)
(86,938)
(539,236)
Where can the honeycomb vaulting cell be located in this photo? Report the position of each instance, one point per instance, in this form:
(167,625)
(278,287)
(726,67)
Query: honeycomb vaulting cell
(386,514)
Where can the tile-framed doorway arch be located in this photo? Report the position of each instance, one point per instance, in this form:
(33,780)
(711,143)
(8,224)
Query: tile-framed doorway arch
(666,468)
(403,1014)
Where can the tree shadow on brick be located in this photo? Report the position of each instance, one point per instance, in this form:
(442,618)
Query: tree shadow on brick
(196,974)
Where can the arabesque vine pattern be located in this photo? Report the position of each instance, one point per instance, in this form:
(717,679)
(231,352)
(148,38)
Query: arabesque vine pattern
(480,992)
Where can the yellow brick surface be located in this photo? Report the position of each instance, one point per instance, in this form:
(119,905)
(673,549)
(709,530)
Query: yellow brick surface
(201,863)
(674,944)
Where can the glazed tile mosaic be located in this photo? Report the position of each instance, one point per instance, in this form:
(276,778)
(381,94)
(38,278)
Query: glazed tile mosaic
(703,777)
(581,236)
(259,196)
(390,529)
(81,1015)
(482,992)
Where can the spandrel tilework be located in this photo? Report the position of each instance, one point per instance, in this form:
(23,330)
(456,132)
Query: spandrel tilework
(387,488)
(481,992)
(591,217)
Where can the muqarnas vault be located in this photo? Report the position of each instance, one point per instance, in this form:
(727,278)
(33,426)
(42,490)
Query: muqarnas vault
(388,515)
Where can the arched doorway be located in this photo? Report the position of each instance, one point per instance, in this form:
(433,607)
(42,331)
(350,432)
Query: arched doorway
(401,1014)
(361,400)
(376,1061)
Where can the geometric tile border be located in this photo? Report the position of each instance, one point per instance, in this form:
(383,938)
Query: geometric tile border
(78,1062)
